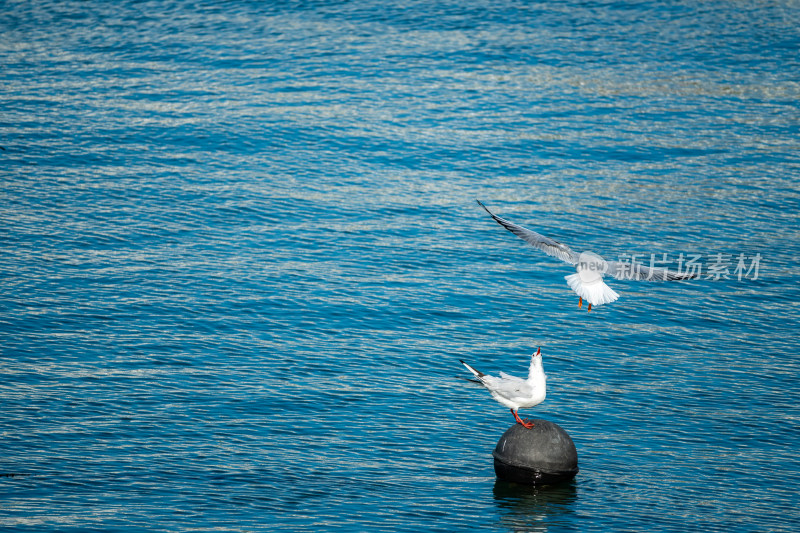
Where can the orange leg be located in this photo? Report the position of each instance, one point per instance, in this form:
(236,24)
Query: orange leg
(590,307)
(524,423)
(580,302)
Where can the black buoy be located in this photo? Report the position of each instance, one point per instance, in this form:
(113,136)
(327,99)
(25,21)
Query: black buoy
(542,455)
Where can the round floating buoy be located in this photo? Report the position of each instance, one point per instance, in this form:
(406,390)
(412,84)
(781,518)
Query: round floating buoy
(542,455)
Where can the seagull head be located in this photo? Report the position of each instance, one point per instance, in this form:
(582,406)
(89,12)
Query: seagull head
(536,369)
(591,267)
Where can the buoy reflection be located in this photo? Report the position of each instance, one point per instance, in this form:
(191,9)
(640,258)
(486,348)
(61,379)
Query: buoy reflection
(534,508)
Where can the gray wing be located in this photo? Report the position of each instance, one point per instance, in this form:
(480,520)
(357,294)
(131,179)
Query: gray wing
(549,246)
(508,386)
(637,271)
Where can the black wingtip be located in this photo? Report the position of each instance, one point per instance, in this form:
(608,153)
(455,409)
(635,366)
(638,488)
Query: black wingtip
(484,207)
(475,371)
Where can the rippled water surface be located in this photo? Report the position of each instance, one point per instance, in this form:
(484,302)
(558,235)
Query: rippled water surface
(240,259)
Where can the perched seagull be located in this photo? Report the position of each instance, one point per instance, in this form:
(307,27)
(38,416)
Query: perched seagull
(587,282)
(514,392)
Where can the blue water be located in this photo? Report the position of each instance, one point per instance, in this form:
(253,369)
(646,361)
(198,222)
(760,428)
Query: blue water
(240,259)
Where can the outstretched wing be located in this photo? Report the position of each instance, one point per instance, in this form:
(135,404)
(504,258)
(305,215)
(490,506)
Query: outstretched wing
(549,246)
(637,271)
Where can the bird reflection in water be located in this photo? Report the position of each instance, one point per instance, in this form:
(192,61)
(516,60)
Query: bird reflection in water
(535,508)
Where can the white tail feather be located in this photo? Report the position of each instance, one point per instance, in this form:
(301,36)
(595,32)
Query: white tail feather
(596,292)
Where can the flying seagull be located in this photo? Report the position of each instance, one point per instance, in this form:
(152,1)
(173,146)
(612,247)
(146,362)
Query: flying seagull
(514,392)
(588,282)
